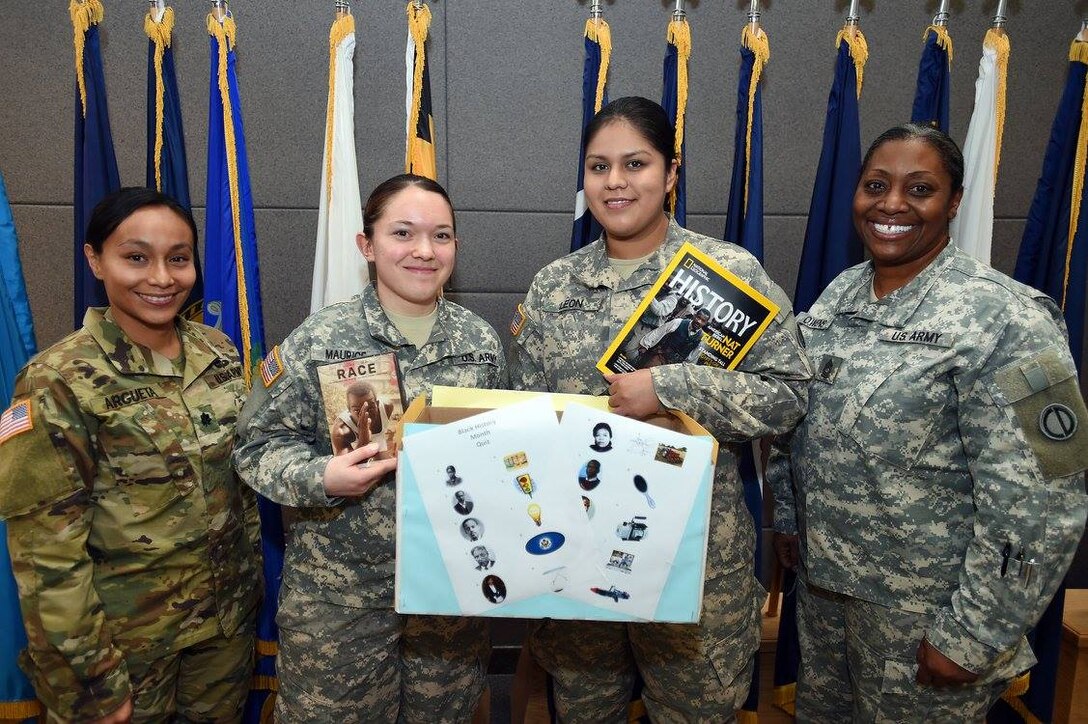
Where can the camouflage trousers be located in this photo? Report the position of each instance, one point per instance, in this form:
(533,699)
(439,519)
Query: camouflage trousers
(692,672)
(340,664)
(858,663)
(205,682)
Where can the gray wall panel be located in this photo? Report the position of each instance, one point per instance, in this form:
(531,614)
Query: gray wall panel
(501,251)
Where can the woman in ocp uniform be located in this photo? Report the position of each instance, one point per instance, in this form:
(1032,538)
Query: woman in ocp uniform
(133,544)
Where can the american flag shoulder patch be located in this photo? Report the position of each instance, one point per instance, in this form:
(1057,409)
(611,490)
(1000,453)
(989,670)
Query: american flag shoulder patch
(517,323)
(16,420)
(271,367)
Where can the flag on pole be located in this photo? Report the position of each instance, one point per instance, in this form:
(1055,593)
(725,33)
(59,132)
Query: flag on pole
(232,303)
(744,226)
(831,246)
(973,228)
(934,79)
(831,243)
(1053,258)
(674,99)
(167,170)
(17,345)
(340,271)
(95,167)
(598,43)
(419,152)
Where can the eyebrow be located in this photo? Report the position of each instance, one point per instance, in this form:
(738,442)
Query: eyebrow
(142,244)
(406,222)
(627,154)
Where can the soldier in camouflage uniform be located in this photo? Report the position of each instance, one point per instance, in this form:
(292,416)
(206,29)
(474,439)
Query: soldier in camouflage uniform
(343,650)
(134,546)
(574,308)
(936,485)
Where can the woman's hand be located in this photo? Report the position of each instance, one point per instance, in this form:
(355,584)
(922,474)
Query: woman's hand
(355,473)
(787,548)
(936,669)
(632,394)
(123,715)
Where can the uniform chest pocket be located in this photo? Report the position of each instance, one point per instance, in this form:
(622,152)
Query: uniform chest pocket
(895,406)
(574,321)
(145,458)
(472,369)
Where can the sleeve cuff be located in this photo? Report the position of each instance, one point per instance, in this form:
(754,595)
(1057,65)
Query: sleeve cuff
(314,494)
(953,640)
(87,699)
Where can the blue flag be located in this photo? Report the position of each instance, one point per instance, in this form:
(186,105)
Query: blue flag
(934,79)
(598,42)
(95,167)
(17,700)
(1053,258)
(831,243)
(674,99)
(233,302)
(744,226)
(167,170)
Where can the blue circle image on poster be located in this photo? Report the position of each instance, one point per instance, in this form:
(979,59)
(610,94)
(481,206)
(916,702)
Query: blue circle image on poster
(545,543)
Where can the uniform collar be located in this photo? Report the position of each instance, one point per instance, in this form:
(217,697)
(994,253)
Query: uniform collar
(382,329)
(596,271)
(130,358)
(897,307)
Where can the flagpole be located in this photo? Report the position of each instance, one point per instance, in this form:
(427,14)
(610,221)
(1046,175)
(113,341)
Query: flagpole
(678,12)
(941,18)
(1000,18)
(219,9)
(342,7)
(754,16)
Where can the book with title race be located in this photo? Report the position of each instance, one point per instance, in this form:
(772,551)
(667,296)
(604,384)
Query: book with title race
(697,311)
(363,402)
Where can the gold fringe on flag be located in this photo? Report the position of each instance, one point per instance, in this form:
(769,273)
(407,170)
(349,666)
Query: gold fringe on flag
(679,34)
(999,41)
(785,698)
(757,42)
(598,31)
(342,27)
(224,32)
(859,49)
(19,710)
(1078,52)
(85,13)
(944,40)
(747,717)
(159,33)
(1017,688)
(419,22)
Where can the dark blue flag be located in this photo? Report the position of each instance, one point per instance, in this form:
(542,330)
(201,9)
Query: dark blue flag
(674,99)
(167,169)
(95,167)
(232,303)
(934,79)
(598,42)
(831,243)
(17,345)
(1053,258)
(744,226)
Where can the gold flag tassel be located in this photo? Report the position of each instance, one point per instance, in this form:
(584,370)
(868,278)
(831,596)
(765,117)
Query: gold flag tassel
(679,34)
(1078,52)
(85,13)
(598,31)
(859,50)
(999,41)
(342,27)
(1016,689)
(159,31)
(416,159)
(944,40)
(225,31)
(756,41)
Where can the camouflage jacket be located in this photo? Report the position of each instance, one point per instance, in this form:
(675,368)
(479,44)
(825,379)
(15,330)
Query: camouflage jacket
(937,453)
(341,550)
(129,532)
(576,306)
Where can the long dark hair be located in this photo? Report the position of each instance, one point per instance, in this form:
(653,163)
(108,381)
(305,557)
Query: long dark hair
(112,211)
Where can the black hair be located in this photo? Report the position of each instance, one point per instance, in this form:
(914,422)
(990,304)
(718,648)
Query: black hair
(112,211)
(602,426)
(383,192)
(950,154)
(647,117)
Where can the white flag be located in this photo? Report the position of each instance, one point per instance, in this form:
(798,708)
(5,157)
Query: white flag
(340,271)
(973,228)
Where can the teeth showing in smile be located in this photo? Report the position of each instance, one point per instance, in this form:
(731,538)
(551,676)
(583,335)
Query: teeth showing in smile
(157,299)
(892,228)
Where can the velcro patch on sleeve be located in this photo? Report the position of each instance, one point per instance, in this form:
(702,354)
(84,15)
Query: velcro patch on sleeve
(517,323)
(16,420)
(271,367)
(1045,396)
